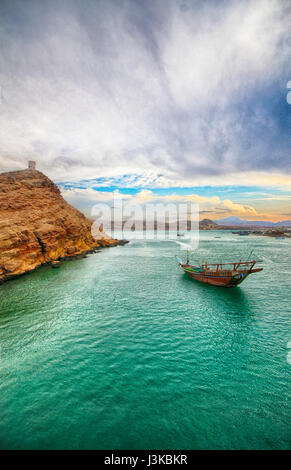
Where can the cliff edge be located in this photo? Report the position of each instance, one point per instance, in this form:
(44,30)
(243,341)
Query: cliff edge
(38,226)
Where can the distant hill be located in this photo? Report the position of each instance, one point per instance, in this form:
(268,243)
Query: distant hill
(284,223)
(207,224)
(231,221)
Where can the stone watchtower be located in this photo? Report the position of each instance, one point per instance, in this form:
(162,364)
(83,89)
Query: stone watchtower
(31,165)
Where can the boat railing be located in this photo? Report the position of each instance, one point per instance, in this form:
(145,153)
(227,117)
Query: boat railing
(235,265)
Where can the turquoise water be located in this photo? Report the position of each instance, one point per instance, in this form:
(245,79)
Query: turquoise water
(122,350)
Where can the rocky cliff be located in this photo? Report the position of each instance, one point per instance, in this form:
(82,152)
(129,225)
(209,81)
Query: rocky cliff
(38,226)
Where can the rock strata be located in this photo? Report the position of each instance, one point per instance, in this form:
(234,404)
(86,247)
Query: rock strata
(37,226)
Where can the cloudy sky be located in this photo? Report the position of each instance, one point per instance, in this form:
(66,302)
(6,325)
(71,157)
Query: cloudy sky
(153,99)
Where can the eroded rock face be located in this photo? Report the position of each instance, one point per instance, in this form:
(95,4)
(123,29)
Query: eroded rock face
(38,226)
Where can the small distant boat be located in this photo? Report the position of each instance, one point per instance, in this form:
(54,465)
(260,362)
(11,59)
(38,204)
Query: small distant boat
(243,233)
(180,234)
(220,274)
(217,237)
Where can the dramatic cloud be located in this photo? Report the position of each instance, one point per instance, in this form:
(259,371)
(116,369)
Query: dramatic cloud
(88,198)
(175,92)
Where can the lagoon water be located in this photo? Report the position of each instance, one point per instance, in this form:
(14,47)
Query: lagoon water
(121,350)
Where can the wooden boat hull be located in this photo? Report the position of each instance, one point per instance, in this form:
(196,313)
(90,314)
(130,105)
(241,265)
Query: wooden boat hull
(231,280)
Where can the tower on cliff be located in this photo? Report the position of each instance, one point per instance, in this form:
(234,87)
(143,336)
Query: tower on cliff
(31,165)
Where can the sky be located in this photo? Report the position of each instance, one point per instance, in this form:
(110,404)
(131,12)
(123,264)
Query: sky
(151,100)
